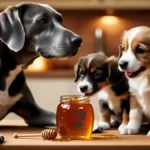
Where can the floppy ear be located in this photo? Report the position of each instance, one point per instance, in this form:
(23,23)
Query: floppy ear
(77,69)
(111,64)
(124,33)
(111,58)
(120,52)
(11,30)
(114,74)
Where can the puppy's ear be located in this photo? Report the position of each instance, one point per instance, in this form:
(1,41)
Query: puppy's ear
(124,33)
(77,69)
(11,30)
(112,61)
(120,51)
(114,74)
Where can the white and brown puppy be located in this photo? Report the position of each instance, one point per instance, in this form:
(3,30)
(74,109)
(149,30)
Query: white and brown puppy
(135,62)
(99,73)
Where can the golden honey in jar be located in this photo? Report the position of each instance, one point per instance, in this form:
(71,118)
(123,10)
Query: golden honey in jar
(75,117)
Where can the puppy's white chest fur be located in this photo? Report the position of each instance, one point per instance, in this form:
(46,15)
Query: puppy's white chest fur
(6,101)
(112,99)
(138,86)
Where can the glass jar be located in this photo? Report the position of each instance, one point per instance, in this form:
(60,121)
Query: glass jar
(75,117)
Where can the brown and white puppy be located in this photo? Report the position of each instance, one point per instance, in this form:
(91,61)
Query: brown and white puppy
(135,62)
(99,73)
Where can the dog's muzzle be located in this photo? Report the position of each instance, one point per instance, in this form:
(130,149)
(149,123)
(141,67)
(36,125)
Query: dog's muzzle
(68,45)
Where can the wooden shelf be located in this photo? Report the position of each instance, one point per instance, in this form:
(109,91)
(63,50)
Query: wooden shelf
(50,73)
(87,4)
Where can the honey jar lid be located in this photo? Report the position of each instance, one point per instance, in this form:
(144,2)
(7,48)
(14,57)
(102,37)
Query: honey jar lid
(74,99)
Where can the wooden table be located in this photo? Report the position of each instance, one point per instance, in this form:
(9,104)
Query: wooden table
(122,142)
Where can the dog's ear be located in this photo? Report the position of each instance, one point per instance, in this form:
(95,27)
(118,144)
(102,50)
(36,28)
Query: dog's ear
(77,69)
(120,50)
(114,75)
(111,59)
(11,30)
(111,64)
(124,33)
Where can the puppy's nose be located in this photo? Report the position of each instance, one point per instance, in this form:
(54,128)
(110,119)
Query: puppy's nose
(76,40)
(83,88)
(123,64)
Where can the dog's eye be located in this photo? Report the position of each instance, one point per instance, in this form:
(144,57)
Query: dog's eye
(122,48)
(97,73)
(43,20)
(139,50)
(81,73)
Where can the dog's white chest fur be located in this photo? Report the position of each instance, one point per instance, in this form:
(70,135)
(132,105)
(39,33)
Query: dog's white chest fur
(113,101)
(138,86)
(6,101)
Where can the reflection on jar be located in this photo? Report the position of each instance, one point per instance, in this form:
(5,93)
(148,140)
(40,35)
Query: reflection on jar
(75,117)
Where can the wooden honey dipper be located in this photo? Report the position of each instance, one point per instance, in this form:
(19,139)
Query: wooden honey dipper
(48,134)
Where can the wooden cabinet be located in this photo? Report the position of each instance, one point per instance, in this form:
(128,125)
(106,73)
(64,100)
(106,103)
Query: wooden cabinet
(83,17)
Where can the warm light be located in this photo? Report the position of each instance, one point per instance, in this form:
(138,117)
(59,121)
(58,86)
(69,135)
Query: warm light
(110,11)
(109,20)
(38,65)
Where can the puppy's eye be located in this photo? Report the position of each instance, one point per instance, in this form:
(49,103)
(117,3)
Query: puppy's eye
(139,50)
(122,48)
(97,73)
(43,20)
(81,73)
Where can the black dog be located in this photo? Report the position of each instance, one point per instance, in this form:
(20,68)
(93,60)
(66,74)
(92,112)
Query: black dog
(27,31)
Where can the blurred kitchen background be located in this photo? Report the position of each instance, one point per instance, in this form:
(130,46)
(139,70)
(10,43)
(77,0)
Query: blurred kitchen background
(101,24)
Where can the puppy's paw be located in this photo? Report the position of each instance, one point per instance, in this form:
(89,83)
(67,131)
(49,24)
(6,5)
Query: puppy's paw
(121,128)
(148,134)
(96,128)
(104,125)
(128,131)
(114,123)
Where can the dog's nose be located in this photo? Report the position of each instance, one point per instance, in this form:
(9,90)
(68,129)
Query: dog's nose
(123,64)
(76,40)
(83,88)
